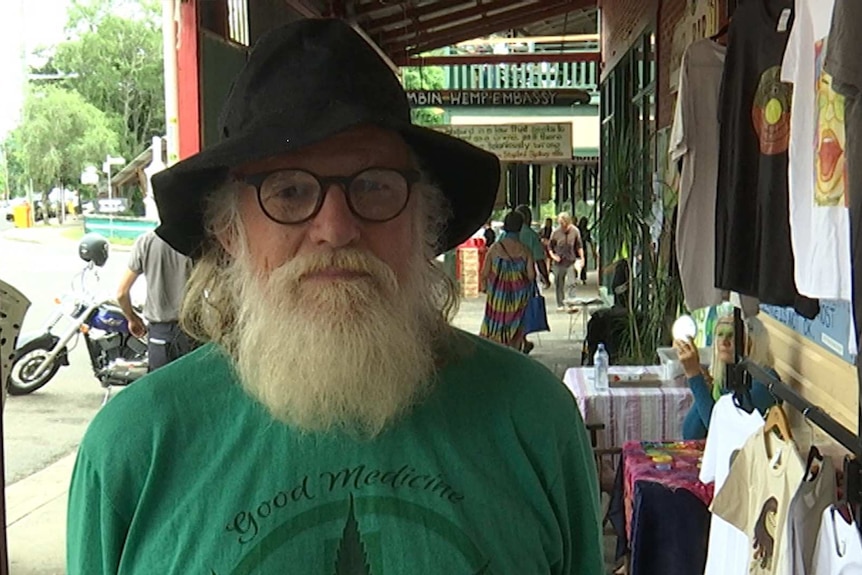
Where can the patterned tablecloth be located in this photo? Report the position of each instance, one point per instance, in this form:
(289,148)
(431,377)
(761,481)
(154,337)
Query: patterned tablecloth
(673,464)
(631,413)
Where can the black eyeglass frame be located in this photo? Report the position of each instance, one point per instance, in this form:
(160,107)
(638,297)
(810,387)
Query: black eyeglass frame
(411,177)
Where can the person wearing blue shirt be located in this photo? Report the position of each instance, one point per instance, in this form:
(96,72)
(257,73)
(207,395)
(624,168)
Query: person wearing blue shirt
(706,388)
(530,238)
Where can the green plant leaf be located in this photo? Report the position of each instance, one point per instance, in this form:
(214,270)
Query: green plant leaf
(351,558)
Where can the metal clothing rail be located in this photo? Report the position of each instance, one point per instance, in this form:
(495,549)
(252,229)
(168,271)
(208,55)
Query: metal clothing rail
(813,413)
(816,415)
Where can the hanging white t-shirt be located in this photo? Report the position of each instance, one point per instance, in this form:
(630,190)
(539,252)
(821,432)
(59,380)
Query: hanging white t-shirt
(694,140)
(819,218)
(838,550)
(804,517)
(729,428)
(755,497)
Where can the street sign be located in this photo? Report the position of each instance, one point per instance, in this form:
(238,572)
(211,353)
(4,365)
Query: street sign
(112,161)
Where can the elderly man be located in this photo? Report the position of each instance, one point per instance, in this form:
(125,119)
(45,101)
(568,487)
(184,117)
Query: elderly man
(335,422)
(566,248)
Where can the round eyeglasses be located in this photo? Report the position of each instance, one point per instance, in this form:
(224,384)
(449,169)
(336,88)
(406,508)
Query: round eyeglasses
(296,196)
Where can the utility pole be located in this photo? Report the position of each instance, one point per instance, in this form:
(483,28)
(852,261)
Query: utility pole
(6,171)
(169,47)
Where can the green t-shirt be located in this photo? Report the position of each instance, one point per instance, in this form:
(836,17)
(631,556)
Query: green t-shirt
(531,239)
(184,473)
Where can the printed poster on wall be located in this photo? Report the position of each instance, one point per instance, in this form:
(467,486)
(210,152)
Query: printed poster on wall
(832,329)
(518,142)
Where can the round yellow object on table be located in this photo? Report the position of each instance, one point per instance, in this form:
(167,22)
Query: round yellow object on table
(662,458)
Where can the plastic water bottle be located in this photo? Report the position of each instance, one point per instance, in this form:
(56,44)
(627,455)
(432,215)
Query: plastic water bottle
(601,361)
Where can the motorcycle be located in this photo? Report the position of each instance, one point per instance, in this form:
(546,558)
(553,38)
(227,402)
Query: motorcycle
(118,358)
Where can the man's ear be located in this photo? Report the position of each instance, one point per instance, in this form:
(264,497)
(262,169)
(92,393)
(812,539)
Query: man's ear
(229,241)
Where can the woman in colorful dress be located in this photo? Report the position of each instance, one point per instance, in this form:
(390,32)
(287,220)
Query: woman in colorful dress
(508,276)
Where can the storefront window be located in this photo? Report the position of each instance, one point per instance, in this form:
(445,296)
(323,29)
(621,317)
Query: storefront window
(628,115)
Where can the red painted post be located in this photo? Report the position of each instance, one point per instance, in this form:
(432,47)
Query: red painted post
(188,81)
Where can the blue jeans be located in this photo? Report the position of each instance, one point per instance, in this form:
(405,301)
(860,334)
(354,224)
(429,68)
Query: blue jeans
(166,342)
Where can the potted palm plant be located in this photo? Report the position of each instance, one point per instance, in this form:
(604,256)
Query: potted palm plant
(627,211)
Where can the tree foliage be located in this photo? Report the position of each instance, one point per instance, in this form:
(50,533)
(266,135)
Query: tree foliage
(109,100)
(115,49)
(60,134)
(424,78)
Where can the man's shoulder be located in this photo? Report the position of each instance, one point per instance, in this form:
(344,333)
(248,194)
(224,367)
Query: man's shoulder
(482,364)
(494,390)
(527,231)
(179,391)
(533,242)
(143,241)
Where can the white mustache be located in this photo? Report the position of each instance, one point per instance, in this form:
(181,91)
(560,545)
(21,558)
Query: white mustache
(291,273)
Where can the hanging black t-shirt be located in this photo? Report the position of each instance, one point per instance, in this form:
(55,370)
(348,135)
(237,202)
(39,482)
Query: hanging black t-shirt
(753,252)
(844,63)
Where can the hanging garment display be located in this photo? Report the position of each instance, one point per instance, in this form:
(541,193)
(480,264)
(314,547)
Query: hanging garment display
(819,219)
(694,142)
(755,497)
(803,517)
(729,429)
(838,550)
(844,63)
(753,249)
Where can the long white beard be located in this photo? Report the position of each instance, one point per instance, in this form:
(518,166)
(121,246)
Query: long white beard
(320,355)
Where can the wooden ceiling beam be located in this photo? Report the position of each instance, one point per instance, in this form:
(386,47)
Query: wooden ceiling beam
(410,15)
(304,8)
(374,7)
(486,26)
(450,18)
(420,61)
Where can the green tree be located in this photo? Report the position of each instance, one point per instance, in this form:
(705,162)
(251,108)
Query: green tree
(115,51)
(60,134)
(425,78)
(12,147)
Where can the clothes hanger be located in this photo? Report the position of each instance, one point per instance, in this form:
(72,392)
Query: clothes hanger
(741,387)
(814,464)
(742,399)
(776,420)
(721,32)
(845,510)
(815,459)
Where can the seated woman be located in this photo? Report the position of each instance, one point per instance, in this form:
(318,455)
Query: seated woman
(507,276)
(707,389)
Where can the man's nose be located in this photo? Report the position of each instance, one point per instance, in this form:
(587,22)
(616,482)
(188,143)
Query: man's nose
(335,224)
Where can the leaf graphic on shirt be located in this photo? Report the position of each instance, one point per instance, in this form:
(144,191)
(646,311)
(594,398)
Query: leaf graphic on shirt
(351,558)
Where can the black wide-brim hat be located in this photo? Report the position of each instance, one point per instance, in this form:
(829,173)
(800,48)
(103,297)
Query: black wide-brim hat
(303,83)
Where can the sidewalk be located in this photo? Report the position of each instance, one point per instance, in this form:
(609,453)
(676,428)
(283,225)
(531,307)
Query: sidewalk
(36,505)
(36,520)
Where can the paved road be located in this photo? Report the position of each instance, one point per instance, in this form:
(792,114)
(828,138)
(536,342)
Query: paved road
(42,427)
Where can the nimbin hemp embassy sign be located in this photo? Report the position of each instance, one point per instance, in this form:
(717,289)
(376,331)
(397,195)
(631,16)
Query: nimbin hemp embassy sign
(496,98)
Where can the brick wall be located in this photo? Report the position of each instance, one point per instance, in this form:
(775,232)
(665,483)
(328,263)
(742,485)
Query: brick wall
(622,23)
(669,16)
